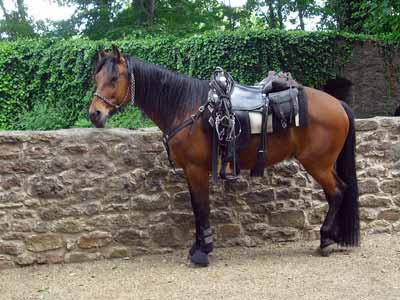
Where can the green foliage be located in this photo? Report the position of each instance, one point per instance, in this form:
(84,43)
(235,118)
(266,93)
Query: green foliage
(16,23)
(42,117)
(362,16)
(380,16)
(54,78)
(131,118)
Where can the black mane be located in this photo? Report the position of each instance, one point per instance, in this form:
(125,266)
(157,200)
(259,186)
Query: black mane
(164,95)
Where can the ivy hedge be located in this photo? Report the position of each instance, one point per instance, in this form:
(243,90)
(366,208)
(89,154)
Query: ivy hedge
(48,83)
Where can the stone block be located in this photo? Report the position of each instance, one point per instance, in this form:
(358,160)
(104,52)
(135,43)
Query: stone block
(221,215)
(288,193)
(96,239)
(390,215)
(396,200)
(69,226)
(373,201)
(51,257)
(182,218)
(78,256)
(131,237)
(117,252)
(44,242)
(51,213)
(11,248)
(246,218)
(151,202)
(236,186)
(368,186)
(11,181)
(287,218)
(165,235)
(318,214)
(182,200)
(10,151)
(13,197)
(225,231)
(392,152)
(38,152)
(366,125)
(92,209)
(25,259)
(45,187)
(5,263)
(261,196)
(286,168)
(21,226)
(75,149)
(368,214)
(282,234)
(379,226)
(391,186)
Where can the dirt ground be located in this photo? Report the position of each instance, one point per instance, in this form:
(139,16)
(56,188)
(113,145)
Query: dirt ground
(278,271)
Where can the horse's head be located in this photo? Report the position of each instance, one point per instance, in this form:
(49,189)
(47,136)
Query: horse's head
(113,87)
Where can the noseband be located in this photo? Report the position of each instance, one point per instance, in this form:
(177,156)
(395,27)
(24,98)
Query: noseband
(131,89)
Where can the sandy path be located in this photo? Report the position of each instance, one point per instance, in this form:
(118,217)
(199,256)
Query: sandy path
(284,271)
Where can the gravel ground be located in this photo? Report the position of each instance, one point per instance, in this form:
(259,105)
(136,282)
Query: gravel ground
(278,271)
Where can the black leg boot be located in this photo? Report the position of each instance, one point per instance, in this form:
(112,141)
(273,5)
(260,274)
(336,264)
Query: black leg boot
(201,248)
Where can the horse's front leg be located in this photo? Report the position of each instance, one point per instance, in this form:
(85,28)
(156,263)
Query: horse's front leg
(197,177)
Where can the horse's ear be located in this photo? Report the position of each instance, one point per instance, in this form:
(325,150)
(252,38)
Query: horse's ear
(116,52)
(101,54)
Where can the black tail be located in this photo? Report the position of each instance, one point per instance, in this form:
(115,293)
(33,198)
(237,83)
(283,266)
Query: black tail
(348,216)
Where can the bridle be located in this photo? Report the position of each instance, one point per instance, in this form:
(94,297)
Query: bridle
(131,89)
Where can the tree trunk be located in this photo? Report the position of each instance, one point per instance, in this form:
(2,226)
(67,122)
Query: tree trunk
(301,18)
(145,9)
(21,10)
(6,16)
(272,17)
(279,8)
(149,8)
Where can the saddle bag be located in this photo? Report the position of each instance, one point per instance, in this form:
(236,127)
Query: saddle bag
(285,108)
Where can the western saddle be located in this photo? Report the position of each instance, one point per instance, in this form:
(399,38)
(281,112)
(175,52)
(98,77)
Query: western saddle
(230,108)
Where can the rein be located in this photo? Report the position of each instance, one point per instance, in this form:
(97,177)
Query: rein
(172,132)
(131,89)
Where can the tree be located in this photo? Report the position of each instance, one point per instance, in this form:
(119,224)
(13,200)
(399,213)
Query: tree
(16,23)
(304,9)
(380,16)
(144,10)
(274,12)
(342,15)
(362,16)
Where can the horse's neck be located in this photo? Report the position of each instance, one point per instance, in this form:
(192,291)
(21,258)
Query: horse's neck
(152,109)
(158,104)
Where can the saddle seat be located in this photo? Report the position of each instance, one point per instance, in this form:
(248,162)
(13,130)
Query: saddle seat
(253,98)
(247,98)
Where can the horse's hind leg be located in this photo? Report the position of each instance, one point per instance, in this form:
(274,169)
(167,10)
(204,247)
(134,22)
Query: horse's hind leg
(333,188)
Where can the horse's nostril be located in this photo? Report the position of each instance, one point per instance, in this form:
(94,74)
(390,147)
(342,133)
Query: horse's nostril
(94,116)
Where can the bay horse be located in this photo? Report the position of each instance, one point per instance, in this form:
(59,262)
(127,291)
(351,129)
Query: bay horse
(326,147)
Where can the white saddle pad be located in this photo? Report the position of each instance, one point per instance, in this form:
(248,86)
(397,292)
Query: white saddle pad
(256,120)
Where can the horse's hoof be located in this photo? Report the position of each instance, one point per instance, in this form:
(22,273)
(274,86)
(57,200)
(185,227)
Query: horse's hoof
(199,258)
(327,250)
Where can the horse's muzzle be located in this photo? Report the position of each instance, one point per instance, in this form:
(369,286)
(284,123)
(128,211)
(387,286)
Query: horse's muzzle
(97,118)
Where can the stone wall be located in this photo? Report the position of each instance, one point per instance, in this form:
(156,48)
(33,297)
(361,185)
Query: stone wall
(370,81)
(75,195)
